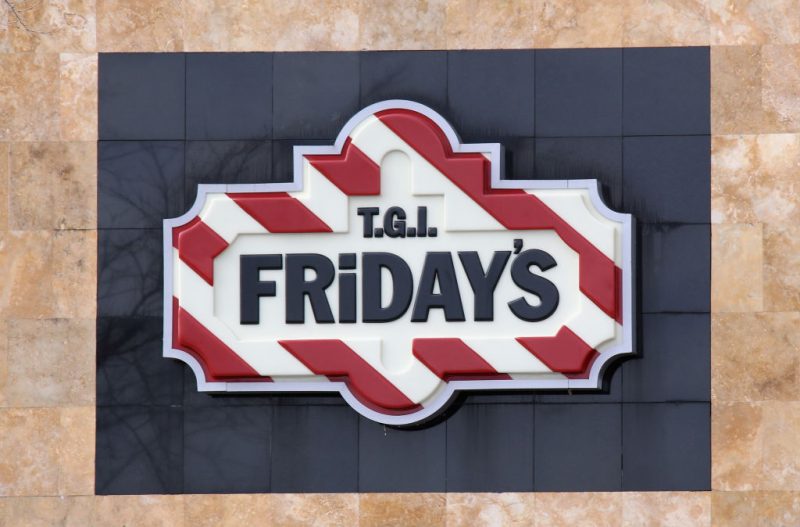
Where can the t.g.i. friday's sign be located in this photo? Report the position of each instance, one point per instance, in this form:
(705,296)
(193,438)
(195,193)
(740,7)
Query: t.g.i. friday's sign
(397,268)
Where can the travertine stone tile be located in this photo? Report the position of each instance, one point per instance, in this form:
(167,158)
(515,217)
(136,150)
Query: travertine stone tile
(78,97)
(139,511)
(53,186)
(489,510)
(216,510)
(755,509)
(65,26)
(736,106)
(754,446)
(748,22)
(754,179)
(280,25)
(29,105)
(737,268)
(5,165)
(579,23)
(77,511)
(76,450)
(755,356)
(323,510)
(140,25)
(666,23)
(485,24)
(780,81)
(50,362)
(736,437)
(3,363)
(48,274)
(405,24)
(666,509)
(402,510)
(782,267)
(598,509)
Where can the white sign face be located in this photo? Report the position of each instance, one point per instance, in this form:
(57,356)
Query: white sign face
(396,268)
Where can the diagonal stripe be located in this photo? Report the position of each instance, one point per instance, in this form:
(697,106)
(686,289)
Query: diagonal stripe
(450,359)
(352,171)
(198,245)
(514,208)
(335,359)
(565,353)
(279,212)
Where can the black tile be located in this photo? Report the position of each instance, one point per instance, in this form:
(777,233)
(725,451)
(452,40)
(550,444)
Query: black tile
(578,447)
(129,273)
(674,362)
(490,93)
(597,158)
(667,91)
(666,446)
(667,179)
(130,365)
(675,268)
(283,160)
(226,162)
(229,95)
(401,460)
(141,96)
(140,183)
(314,449)
(498,397)
(227,449)
(490,448)
(419,76)
(610,392)
(139,450)
(578,92)
(519,156)
(314,94)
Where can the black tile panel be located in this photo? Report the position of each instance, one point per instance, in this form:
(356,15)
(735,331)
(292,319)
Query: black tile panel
(314,449)
(675,268)
(226,162)
(667,179)
(130,273)
(141,96)
(674,363)
(490,93)
(490,448)
(130,366)
(139,450)
(139,183)
(610,392)
(578,447)
(401,460)
(314,94)
(412,75)
(229,95)
(226,450)
(578,92)
(666,446)
(667,91)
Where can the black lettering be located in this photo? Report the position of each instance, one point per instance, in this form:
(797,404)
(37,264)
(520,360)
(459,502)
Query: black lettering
(422,221)
(347,298)
(297,288)
(371,287)
(394,225)
(251,288)
(484,283)
(438,266)
(533,283)
(368,213)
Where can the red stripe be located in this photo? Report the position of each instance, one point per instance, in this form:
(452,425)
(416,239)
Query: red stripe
(219,362)
(335,359)
(515,209)
(450,359)
(352,171)
(565,353)
(198,245)
(279,212)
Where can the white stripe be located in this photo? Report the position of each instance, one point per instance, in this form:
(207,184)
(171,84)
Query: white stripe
(323,198)
(228,219)
(507,356)
(592,324)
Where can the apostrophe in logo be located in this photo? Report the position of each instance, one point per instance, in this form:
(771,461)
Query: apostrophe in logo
(397,268)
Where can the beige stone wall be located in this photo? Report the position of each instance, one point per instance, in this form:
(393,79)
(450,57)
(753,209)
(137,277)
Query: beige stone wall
(48,133)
